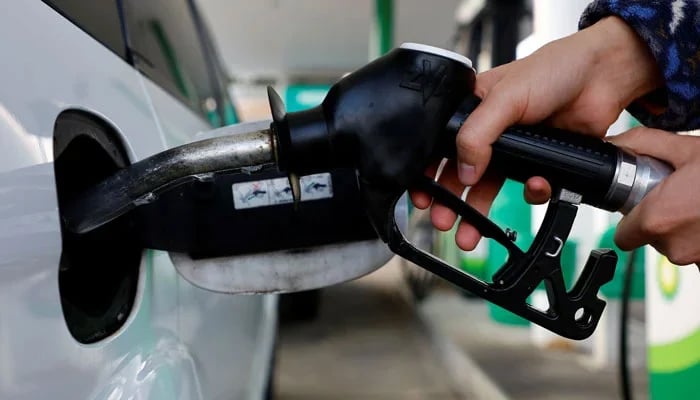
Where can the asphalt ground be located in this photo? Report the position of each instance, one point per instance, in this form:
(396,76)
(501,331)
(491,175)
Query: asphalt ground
(371,341)
(366,343)
(521,371)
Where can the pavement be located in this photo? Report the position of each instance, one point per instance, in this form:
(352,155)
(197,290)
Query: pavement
(506,355)
(370,341)
(367,343)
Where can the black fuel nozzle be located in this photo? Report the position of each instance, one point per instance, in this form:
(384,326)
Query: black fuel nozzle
(399,114)
(381,120)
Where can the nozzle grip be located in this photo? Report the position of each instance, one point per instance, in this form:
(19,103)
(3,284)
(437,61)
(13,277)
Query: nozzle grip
(583,164)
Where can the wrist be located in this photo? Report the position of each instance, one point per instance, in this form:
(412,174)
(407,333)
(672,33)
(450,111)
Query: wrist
(622,60)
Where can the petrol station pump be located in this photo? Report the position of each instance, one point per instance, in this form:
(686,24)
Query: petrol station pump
(671,293)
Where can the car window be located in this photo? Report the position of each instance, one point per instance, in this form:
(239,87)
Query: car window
(225,113)
(166,47)
(99,18)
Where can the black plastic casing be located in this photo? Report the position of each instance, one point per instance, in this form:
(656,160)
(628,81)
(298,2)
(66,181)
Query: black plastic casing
(199,218)
(382,119)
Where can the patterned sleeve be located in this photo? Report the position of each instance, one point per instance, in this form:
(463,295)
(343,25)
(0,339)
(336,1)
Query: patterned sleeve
(671,29)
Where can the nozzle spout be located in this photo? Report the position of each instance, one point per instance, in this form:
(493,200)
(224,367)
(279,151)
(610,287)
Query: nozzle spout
(235,147)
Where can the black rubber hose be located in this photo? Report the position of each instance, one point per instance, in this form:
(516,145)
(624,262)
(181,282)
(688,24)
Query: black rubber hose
(625,377)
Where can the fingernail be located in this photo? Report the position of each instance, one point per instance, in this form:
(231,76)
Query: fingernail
(467,174)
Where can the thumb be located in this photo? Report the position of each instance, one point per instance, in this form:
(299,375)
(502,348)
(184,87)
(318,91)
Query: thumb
(665,146)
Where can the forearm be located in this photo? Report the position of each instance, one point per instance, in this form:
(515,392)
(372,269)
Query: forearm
(668,29)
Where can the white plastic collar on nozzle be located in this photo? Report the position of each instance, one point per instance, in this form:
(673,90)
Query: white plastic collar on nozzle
(438,52)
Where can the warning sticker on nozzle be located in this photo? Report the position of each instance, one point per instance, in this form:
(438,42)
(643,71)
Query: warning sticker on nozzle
(315,187)
(251,194)
(277,191)
(280,191)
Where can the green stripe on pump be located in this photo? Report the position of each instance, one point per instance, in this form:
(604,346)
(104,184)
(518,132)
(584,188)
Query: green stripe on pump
(681,385)
(676,356)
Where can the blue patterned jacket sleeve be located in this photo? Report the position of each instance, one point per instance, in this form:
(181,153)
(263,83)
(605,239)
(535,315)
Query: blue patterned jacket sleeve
(671,29)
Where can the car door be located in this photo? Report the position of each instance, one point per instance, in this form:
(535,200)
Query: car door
(231,335)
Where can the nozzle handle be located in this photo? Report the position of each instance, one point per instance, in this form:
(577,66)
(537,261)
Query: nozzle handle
(582,164)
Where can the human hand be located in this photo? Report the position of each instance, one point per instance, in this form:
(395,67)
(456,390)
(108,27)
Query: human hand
(668,217)
(581,83)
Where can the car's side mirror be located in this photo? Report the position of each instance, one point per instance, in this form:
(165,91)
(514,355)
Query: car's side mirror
(234,231)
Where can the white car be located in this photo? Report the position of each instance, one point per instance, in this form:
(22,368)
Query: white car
(81,318)
(87,88)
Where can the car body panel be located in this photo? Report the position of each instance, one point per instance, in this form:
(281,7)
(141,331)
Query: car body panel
(179,342)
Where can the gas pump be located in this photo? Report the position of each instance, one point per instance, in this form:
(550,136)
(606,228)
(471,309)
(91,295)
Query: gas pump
(671,293)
